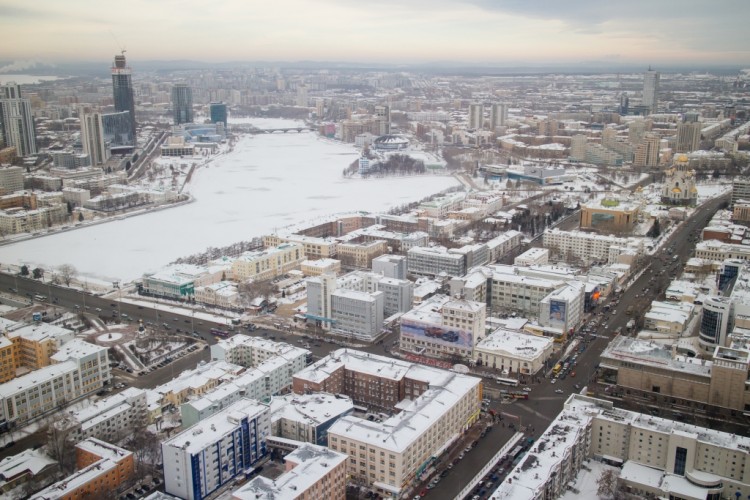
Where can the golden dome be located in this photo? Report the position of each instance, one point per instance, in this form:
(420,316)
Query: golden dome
(676,190)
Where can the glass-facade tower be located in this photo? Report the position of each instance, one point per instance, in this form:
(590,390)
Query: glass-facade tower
(182,104)
(122,90)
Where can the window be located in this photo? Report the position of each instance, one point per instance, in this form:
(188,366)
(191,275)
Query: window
(680,458)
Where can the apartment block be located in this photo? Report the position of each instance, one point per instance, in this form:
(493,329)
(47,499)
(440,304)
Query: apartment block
(103,470)
(311,472)
(430,408)
(109,419)
(434,261)
(589,246)
(190,384)
(212,453)
(269,263)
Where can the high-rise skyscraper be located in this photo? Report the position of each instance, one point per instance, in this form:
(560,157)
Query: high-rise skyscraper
(651,90)
(122,90)
(476,116)
(92,136)
(498,115)
(383,117)
(117,132)
(218,113)
(182,103)
(688,137)
(647,151)
(17,121)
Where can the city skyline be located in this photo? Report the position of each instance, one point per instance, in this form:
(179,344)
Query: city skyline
(474,31)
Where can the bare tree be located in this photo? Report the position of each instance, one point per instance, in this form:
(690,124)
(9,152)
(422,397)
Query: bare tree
(67,272)
(607,484)
(60,444)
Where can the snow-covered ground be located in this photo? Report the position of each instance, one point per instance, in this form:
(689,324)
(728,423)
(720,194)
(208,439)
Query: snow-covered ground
(268,182)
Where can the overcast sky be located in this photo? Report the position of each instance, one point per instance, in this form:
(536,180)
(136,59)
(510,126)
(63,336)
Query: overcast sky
(496,31)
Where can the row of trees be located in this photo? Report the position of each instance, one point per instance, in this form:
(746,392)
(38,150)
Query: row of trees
(64,274)
(212,253)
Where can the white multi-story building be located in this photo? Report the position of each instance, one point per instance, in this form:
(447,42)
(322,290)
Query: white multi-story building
(513,352)
(503,244)
(515,293)
(109,419)
(212,453)
(590,246)
(357,314)
(563,309)
(660,458)
(319,290)
(270,378)
(390,266)
(398,295)
(715,250)
(443,327)
(435,260)
(533,257)
(92,136)
(438,208)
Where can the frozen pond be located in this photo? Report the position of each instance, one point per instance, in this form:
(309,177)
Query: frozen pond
(269,181)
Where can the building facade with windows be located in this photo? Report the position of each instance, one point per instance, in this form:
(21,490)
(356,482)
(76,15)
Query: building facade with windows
(212,453)
(430,408)
(269,263)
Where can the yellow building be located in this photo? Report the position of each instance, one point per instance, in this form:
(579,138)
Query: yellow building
(267,264)
(610,215)
(36,343)
(8,360)
(314,247)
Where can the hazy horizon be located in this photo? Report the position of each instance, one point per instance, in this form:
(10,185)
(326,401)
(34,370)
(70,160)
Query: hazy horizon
(470,32)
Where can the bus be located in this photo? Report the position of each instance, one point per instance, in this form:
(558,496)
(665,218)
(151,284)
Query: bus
(557,368)
(507,381)
(40,298)
(219,333)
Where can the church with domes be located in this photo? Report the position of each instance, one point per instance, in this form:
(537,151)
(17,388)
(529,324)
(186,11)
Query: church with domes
(679,185)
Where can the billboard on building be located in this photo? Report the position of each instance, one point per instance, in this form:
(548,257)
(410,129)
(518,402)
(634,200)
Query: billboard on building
(437,334)
(557,314)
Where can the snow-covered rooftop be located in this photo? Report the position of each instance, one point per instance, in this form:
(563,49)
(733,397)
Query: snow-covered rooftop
(517,344)
(310,463)
(216,427)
